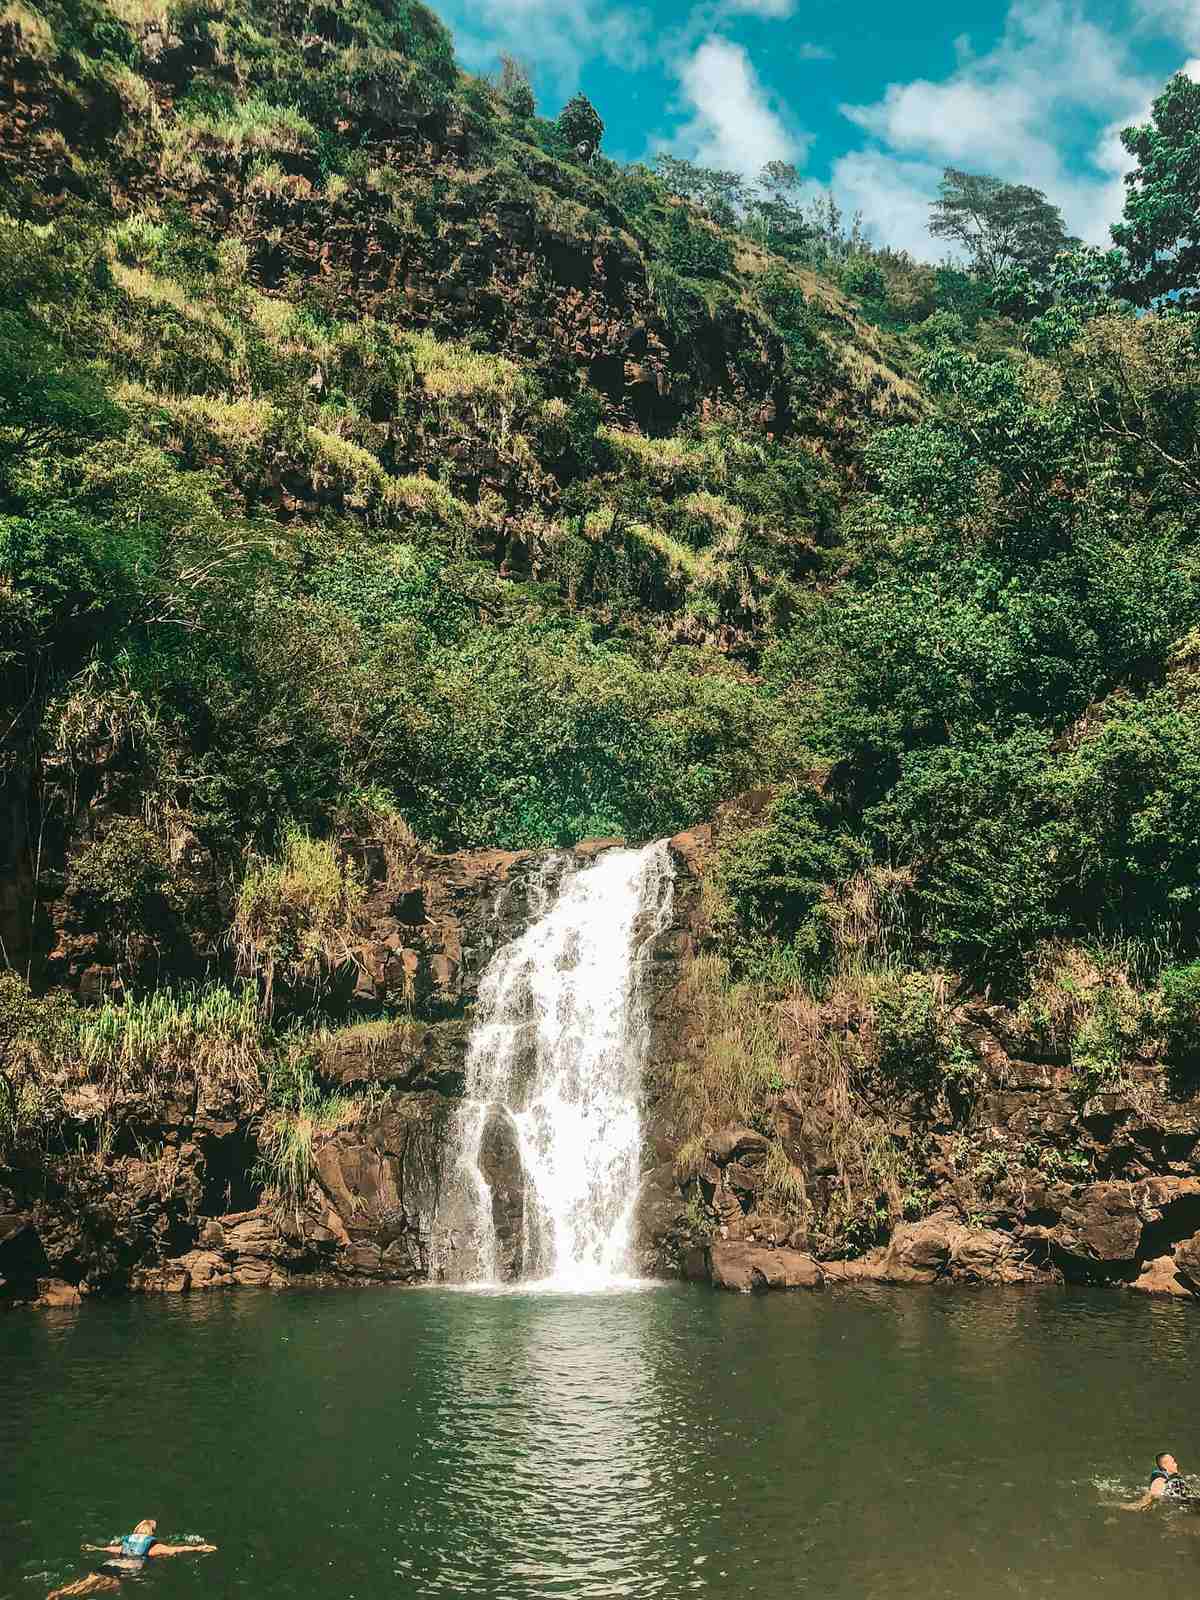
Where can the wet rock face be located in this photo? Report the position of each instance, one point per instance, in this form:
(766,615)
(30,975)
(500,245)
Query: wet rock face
(500,1164)
(429,931)
(105,1223)
(174,1204)
(750,1268)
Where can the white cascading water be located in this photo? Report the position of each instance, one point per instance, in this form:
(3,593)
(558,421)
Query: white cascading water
(556,1052)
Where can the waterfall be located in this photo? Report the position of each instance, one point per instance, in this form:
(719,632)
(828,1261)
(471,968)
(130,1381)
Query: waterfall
(543,1168)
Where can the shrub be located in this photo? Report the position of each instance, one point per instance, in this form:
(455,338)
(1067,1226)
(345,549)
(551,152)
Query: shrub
(47,401)
(580,127)
(34,1036)
(988,847)
(122,880)
(695,249)
(1131,789)
(1110,1032)
(861,277)
(775,877)
(1179,1006)
(916,1043)
(294,914)
(1082,1003)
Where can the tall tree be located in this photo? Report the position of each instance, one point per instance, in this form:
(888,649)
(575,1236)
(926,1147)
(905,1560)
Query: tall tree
(580,125)
(722,195)
(780,221)
(1161,230)
(1000,224)
(516,86)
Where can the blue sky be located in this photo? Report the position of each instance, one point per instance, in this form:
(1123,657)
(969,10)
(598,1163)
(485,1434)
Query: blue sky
(871,100)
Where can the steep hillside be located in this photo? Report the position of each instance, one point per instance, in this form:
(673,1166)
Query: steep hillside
(383,472)
(389,448)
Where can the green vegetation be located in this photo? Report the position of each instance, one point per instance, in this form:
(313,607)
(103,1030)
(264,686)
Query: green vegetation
(33,1033)
(1000,225)
(294,915)
(579,126)
(210,1040)
(1159,232)
(301,1112)
(210,1035)
(377,456)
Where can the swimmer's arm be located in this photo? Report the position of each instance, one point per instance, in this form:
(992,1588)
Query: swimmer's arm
(112,1549)
(1147,1500)
(180,1549)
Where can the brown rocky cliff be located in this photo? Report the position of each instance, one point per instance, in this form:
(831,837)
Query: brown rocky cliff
(154,1190)
(1029,1181)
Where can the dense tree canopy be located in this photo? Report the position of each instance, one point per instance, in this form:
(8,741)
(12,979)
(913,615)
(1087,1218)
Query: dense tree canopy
(580,126)
(1160,230)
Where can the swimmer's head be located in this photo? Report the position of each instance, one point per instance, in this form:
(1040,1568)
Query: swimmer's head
(1166,1461)
(146,1525)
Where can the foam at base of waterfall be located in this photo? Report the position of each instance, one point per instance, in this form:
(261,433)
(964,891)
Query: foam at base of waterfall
(558,1049)
(550,1286)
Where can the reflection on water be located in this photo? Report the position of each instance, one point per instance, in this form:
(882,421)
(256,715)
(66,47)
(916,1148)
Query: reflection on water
(523,1445)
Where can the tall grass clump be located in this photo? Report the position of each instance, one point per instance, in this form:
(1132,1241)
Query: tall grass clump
(295,914)
(33,1033)
(739,1069)
(1083,1002)
(840,1023)
(301,1111)
(370,812)
(211,1032)
(875,1179)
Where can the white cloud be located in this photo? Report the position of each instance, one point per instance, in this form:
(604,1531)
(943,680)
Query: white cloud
(733,123)
(1013,112)
(771,10)
(555,37)
(893,195)
(1179,19)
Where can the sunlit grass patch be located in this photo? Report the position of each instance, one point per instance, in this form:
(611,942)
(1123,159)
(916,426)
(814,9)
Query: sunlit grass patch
(210,1032)
(739,1067)
(35,33)
(301,1114)
(450,373)
(140,13)
(294,914)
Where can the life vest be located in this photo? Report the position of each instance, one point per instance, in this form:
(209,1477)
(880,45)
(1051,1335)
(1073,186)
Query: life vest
(137,1545)
(1175,1485)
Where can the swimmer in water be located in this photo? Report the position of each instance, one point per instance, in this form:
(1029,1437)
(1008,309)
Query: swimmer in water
(1166,1483)
(127,1557)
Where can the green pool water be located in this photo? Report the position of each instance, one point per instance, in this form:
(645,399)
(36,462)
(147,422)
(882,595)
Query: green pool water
(668,1441)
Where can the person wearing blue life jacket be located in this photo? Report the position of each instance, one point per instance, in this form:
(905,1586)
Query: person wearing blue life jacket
(1167,1485)
(126,1558)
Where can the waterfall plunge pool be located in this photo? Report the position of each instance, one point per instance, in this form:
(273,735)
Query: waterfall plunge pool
(512,1445)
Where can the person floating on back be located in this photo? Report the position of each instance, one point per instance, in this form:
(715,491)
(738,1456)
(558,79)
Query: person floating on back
(1166,1483)
(126,1558)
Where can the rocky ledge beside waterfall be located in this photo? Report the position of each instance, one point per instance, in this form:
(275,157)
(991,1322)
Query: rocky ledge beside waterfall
(159,1191)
